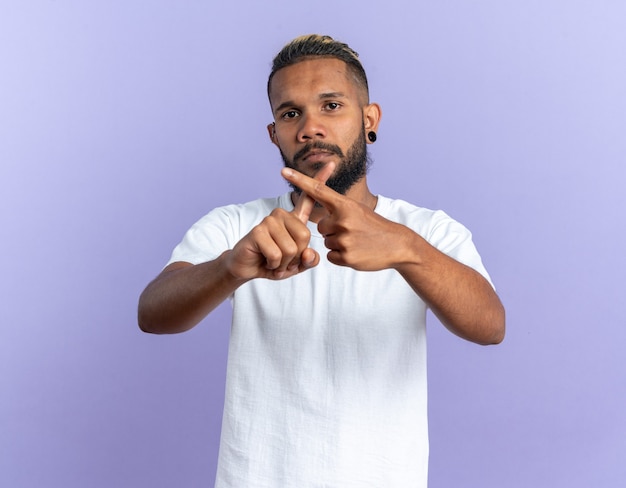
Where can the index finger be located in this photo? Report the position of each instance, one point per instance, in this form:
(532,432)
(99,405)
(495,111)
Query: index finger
(306,203)
(315,192)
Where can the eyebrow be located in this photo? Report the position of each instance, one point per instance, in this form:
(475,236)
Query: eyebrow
(321,96)
(324,96)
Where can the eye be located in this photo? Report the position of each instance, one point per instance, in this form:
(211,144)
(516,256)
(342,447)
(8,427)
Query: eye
(291,114)
(332,106)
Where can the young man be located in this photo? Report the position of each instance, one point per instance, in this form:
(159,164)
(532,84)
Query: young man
(326,382)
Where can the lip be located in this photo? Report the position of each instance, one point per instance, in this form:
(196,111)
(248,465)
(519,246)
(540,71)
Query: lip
(317,155)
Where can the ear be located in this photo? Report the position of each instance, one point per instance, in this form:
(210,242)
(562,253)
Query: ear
(271,130)
(371,117)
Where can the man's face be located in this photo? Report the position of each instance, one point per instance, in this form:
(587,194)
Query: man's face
(318,112)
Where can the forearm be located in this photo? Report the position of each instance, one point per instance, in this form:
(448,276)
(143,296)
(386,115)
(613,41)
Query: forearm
(183,294)
(459,296)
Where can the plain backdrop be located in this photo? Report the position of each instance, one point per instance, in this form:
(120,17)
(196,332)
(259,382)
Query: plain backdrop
(123,122)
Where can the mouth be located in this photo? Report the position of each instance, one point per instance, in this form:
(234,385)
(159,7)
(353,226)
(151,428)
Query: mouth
(317,156)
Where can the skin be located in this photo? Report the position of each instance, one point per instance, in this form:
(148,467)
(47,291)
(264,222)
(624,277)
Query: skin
(317,100)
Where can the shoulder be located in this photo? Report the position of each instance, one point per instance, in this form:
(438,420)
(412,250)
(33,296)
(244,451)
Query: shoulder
(406,213)
(434,225)
(438,228)
(221,229)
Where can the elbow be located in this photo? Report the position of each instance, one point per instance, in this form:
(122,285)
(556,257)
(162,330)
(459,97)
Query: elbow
(497,328)
(152,327)
(152,321)
(145,319)
(495,339)
(142,319)
(500,334)
(144,324)
(488,330)
(143,327)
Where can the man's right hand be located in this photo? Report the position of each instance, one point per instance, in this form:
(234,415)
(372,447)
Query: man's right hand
(277,248)
(183,293)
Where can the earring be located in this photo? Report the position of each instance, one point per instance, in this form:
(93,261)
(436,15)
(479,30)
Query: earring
(371,135)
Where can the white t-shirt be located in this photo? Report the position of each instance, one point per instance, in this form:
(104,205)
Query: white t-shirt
(326,380)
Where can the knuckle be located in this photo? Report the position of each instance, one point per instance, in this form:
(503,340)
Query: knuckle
(289,248)
(303,234)
(277,213)
(273,256)
(258,231)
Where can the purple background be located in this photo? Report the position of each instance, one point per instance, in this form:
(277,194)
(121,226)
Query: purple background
(122,122)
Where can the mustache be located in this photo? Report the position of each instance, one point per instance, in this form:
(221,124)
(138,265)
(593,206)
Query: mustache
(318,145)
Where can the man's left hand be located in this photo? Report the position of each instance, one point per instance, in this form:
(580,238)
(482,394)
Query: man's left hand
(356,236)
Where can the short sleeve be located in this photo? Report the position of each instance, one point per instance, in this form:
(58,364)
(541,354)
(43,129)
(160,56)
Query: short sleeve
(207,239)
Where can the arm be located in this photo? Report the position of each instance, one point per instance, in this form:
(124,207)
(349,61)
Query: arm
(359,238)
(183,294)
(460,297)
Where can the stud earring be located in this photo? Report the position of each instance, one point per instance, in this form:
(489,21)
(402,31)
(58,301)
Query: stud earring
(371,135)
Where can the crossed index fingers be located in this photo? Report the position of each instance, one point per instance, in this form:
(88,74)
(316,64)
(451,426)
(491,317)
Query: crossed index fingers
(313,190)
(306,202)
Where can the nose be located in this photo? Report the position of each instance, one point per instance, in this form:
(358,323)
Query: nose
(311,127)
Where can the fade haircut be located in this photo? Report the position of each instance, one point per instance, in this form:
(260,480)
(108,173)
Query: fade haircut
(318,46)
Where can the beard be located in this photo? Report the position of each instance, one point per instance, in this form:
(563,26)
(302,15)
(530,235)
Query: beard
(351,168)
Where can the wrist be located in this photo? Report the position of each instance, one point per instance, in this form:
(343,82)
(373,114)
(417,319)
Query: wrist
(232,272)
(409,249)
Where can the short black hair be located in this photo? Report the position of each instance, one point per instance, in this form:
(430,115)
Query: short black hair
(315,45)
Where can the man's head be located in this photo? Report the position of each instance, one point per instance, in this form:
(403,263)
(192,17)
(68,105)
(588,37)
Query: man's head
(313,46)
(319,98)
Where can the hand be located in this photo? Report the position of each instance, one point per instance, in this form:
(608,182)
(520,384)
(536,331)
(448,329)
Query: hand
(277,248)
(355,235)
